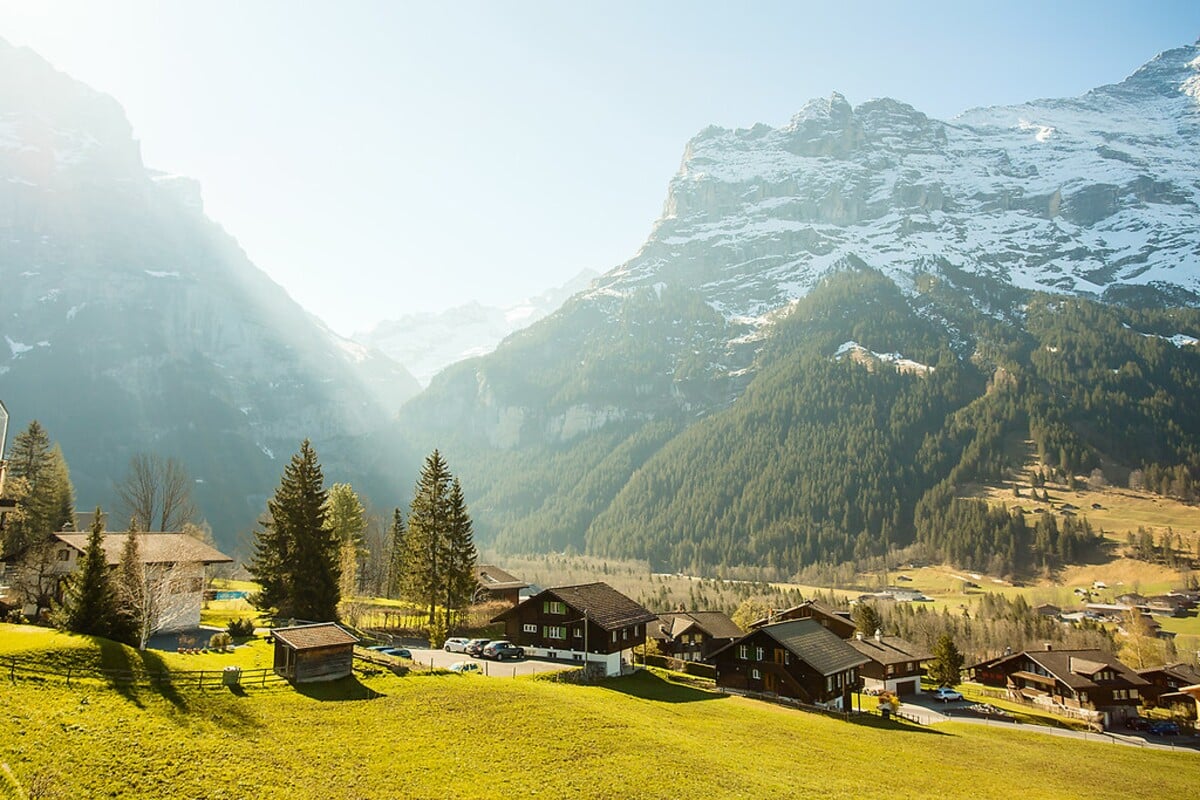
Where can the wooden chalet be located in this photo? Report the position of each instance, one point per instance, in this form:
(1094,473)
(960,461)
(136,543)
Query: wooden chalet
(800,659)
(323,651)
(1088,684)
(836,621)
(591,623)
(693,635)
(1167,684)
(894,664)
(496,584)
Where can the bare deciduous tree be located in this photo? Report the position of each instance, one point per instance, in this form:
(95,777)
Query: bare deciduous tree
(158,492)
(154,595)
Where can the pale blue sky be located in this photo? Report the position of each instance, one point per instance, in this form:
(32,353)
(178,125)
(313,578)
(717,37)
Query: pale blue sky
(377,158)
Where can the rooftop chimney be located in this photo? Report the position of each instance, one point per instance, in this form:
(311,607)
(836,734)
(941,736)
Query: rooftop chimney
(878,635)
(1049,645)
(858,635)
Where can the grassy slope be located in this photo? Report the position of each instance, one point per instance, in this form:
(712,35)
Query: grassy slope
(431,736)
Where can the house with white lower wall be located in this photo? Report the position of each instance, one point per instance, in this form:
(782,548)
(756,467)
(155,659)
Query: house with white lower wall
(590,624)
(893,664)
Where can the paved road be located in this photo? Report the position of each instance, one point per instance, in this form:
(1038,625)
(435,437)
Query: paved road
(928,711)
(503,669)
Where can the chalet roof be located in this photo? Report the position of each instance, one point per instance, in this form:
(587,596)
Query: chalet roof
(811,642)
(1182,672)
(815,608)
(714,623)
(889,649)
(312,637)
(492,577)
(156,548)
(602,604)
(1076,668)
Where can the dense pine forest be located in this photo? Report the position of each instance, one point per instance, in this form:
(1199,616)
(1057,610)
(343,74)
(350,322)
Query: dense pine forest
(816,451)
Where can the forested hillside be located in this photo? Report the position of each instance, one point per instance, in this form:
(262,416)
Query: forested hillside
(866,410)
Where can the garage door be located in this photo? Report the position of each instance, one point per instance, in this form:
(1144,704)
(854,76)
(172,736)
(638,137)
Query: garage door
(906,687)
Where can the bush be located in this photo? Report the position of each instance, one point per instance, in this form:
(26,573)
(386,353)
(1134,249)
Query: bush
(240,628)
(219,641)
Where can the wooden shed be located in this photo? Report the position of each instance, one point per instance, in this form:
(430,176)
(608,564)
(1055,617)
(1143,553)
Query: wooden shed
(323,651)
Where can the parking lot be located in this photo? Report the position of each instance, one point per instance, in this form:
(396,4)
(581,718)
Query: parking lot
(501,669)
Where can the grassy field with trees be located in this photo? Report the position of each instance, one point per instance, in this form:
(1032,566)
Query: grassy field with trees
(439,735)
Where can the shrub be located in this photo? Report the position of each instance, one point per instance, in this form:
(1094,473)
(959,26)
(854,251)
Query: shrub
(219,641)
(240,628)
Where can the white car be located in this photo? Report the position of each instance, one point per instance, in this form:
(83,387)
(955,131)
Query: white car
(947,695)
(456,644)
(464,667)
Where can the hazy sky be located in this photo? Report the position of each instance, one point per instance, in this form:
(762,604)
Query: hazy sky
(379,158)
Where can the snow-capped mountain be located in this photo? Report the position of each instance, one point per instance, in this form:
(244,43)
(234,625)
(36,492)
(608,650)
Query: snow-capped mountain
(429,342)
(130,322)
(1094,195)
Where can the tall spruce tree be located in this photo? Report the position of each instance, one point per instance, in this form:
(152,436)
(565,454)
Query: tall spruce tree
(397,555)
(296,558)
(460,554)
(90,602)
(428,533)
(946,669)
(48,504)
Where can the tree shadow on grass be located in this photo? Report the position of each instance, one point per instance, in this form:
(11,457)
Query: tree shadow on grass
(893,724)
(153,663)
(348,688)
(648,686)
(115,659)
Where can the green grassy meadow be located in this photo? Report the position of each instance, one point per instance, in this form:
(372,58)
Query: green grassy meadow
(431,735)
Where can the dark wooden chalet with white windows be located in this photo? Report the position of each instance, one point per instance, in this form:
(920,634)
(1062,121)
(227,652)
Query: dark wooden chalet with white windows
(894,664)
(693,635)
(1084,684)
(800,659)
(589,623)
(829,617)
(322,651)
(1167,683)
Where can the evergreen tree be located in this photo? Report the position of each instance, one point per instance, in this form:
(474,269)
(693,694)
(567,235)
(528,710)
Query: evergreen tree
(90,603)
(397,555)
(866,619)
(296,558)
(48,504)
(131,587)
(946,669)
(347,521)
(428,533)
(460,556)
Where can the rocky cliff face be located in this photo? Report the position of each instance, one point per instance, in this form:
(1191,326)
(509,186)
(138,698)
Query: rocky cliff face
(131,322)
(1095,195)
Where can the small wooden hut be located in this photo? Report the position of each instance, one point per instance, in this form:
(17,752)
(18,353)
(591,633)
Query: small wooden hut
(323,651)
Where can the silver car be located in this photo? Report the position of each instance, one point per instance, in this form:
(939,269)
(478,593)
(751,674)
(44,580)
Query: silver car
(456,644)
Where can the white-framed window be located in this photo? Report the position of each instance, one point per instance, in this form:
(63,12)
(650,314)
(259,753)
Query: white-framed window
(579,633)
(555,632)
(637,629)
(755,674)
(529,627)
(1133,694)
(787,657)
(554,607)
(744,652)
(614,636)
(829,684)
(624,633)
(758,654)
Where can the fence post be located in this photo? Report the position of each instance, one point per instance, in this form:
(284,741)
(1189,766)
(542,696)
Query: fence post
(68,676)
(12,670)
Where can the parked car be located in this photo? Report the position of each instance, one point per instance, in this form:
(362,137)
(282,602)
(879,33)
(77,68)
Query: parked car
(1163,728)
(398,652)
(1137,723)
(378,647)
(456,644)
(475,647)
(947,695)
(464,666)
(501,650)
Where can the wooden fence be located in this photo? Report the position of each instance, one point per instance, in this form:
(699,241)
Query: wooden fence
(192,678)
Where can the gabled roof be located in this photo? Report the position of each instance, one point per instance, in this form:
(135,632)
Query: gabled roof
(156,548)
(812,643)
(1182,672)
(599,602)
(493,578)
(808,609)
(889,649)
(1075,668)
(714,623)
(312,637)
